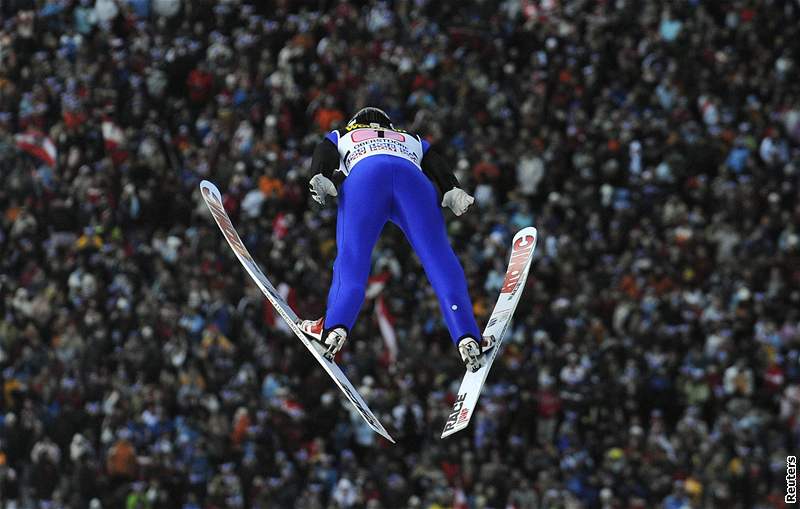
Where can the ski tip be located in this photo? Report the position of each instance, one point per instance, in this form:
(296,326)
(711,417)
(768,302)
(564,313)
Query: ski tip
(453,430)
(459,419)
(528,230)
(378,428)
(205,184)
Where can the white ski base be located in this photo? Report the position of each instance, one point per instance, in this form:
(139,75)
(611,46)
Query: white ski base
(522,249)
(213,200)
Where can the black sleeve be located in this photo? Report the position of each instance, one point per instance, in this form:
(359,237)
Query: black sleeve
(326,161)
(437,169)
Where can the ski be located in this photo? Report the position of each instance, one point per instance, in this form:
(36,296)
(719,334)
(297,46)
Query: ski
(518,266)
(213,200)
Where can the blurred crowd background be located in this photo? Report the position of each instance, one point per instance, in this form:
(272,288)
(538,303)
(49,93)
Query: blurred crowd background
(653,361)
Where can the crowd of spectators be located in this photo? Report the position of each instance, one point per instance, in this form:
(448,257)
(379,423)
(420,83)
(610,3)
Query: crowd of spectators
(654,360)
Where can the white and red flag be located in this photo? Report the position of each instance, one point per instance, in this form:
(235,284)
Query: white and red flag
(39,145)
(384,318)
(114,141)
(113,136)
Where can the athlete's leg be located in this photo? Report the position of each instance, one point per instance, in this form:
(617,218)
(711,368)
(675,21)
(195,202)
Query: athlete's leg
(364,204)
(415,209)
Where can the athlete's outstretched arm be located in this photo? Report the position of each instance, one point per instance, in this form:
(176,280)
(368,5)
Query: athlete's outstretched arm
(437,169)
(325,159)
(324,163)
(445,180)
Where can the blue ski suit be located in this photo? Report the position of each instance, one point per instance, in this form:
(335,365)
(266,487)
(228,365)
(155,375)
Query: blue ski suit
(385,175)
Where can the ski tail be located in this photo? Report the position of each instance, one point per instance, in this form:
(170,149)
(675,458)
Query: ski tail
(522,249)
(213,200)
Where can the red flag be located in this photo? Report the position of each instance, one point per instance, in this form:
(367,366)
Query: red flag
(385,324)
(292,408)
(280,226)
(37,144)
(375,287)
(376,284)
(114,140)
(268,312)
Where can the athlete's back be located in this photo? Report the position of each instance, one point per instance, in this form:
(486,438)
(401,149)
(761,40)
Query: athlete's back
(381,173)
(358,142)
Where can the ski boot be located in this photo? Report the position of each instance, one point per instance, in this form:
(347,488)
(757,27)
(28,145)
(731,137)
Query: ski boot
(313,328)
(332,342)
(471,351)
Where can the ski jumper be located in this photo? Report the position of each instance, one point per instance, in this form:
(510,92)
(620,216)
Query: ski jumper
(388,175)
